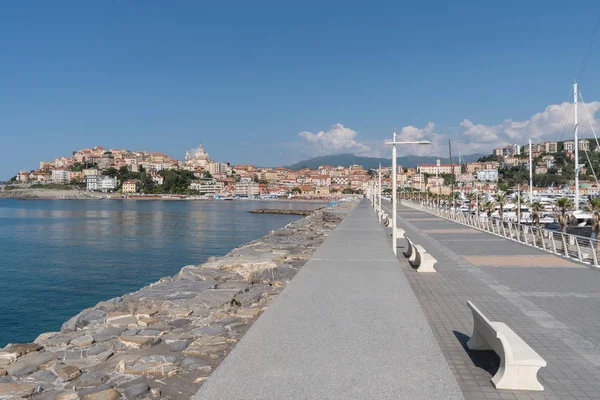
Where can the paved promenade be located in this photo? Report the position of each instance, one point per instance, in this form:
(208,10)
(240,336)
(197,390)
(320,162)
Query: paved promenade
(551,302)
(348,326)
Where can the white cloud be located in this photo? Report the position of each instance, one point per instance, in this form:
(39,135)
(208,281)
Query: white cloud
(337,139)
(554,123)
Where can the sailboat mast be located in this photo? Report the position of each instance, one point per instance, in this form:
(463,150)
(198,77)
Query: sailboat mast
(576,139)
(530,174)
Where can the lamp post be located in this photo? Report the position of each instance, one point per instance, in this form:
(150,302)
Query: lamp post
(393,143)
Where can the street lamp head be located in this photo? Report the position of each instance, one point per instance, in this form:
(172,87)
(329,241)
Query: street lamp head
(423,142)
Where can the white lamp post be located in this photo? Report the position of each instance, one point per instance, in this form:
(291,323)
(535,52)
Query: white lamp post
(394,185)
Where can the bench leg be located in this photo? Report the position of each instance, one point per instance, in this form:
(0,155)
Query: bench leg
(408,251)
(413,256)
(426,265)
(477,342)
(520,377)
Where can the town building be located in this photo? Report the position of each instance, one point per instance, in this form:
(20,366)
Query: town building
(490,175)
(129,186)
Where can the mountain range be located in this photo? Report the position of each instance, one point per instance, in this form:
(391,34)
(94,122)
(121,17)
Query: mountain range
(346,160)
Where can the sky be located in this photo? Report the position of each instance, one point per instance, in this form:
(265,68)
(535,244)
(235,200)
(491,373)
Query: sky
(272,82)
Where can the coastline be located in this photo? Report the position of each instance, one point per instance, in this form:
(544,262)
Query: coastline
(165,339)
(72,194)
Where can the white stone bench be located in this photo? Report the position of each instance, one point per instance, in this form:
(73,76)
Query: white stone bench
(399,233)
(519,362)
(423,260)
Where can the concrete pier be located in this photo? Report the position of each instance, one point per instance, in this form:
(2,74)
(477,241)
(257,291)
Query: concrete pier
(348,326)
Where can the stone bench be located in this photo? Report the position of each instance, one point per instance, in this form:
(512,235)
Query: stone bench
(519,362)
(399,233)
(418,257)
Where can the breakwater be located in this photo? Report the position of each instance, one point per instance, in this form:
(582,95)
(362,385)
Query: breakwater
(165,339)
(280,211)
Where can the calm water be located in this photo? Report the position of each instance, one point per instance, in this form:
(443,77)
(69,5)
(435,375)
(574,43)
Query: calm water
(59,257)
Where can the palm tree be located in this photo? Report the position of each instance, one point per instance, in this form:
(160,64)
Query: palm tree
(471,198)
(563,204)
(536,210)
(502,200)
(488,207)
(594,207)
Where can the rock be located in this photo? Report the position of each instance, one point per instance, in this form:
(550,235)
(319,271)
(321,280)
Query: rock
(254,294)
(193,272)
(91,390)
(245,266)
(108,394)
(41,376)
(68,395)
(130,332)
(147,321)
(82,341)
(14,351)
(283,273)
(179,312)
(45,336)
(3,372)
(211,330)
(149,332)
(67,372)
(155,393)
(177,345)
(70,325)
(116,315)
(18,390)
(105,355)
(193,363)
(136,342)
(136,391)
(94,351)
(88,379)
(249,313)
(180,322)
(107,306)
(90,317)
(161,366)
(30,363)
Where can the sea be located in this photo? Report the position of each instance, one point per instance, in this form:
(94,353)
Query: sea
(58,257)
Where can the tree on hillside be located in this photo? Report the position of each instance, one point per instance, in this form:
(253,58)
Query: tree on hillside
(296,190)
(112,172)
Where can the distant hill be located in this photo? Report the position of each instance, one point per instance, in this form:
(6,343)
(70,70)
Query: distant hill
(345,160)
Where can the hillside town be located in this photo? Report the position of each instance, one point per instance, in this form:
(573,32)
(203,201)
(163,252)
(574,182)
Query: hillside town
(136,173)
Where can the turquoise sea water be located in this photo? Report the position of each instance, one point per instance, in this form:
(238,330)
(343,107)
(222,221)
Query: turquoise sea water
(59,257)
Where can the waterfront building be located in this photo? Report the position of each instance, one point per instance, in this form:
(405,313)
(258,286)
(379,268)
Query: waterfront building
(100,183)
(23,176)
(246,188)
(207,186)
(129,186)
(60,176)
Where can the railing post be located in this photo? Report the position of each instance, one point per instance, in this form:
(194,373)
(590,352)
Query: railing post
(543,240)
(593,249)
(525,228)
(510,231)
(579,257)
(565,246)
(553,243)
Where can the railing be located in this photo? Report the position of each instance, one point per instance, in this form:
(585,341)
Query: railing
(580,248)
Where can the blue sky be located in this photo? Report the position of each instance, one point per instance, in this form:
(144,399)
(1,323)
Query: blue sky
(246,79)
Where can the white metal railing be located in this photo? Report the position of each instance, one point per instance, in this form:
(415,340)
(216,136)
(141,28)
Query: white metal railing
(580,248)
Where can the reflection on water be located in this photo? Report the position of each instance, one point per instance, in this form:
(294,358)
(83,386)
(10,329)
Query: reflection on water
(58,257)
